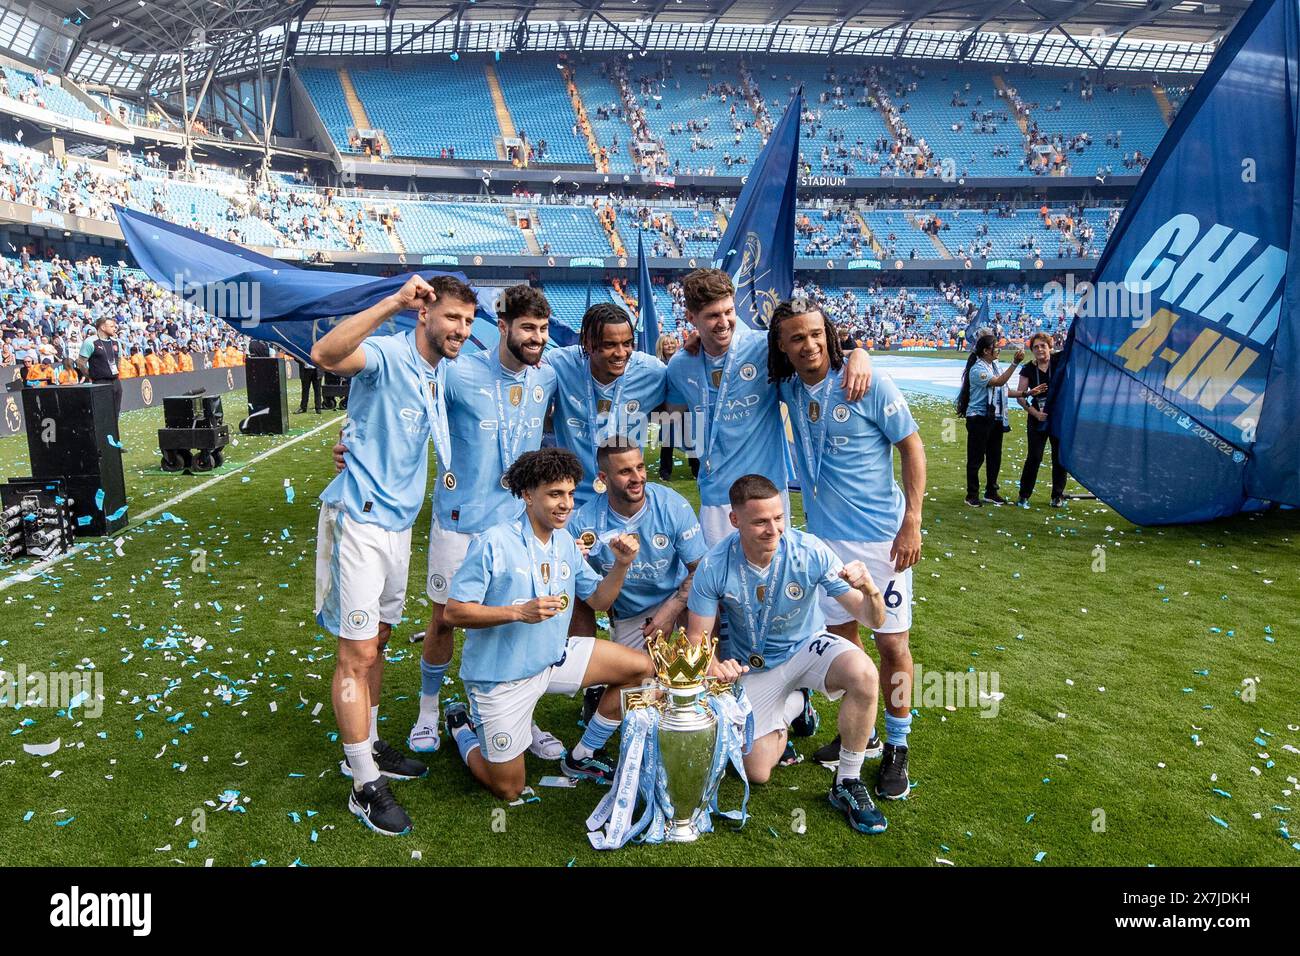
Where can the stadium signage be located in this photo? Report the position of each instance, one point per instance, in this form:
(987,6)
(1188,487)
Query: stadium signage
(591,262)
(1002,264)
(439,259)
(823,180)
(863,264)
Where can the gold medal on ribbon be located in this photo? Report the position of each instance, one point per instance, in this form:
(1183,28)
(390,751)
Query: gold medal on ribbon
(814,411)
(598,486)
(716,376)
(756,661)
(449,481)
(587,538)
(505,484)
(564,601)
(516,395)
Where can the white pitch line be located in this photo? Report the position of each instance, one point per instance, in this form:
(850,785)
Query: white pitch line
(36,570)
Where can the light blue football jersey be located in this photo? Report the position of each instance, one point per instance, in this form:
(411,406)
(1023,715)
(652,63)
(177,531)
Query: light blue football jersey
(494,416)
(391,403)
(670,537)
(622,406)
(771,624)
(737,426)
(844,456)
(507,565)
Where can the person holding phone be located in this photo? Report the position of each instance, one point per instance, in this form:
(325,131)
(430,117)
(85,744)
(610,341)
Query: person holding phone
(983,402)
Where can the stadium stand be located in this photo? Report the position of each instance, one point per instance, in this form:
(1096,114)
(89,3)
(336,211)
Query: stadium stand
(542,112)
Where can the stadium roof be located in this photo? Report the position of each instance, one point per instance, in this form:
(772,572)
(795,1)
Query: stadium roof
(133,45)
(153,25)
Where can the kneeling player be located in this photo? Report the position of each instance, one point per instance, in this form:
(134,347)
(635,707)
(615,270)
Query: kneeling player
(765,578)
(513,595)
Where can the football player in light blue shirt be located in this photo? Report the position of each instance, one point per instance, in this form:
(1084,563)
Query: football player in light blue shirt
(733,419)
(844,455)
(654,593)
(513,595)
(764,580)
(605,387)
(364,535)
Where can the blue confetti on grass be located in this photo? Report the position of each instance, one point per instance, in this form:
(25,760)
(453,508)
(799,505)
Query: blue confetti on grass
(1222,823)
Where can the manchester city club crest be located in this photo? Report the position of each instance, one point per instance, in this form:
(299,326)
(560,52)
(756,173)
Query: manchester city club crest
(793,591)
(437,582)
(565,571)
(501,741)
(633,407)
(841,413)
(748,372)
(538,394)
(660,541)
(358,619)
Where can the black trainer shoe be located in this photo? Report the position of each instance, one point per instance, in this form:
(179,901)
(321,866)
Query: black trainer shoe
(396,765)
(790,757)
(805,725)
(974,502)
(391,764)
(590,701)
(892,783)
(994,497)
(455,716)
(378,809)
(828,755)
(854,799)
(598,767)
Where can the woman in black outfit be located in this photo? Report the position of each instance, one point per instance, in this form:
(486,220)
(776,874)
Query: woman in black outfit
(665,348)
(1035,380)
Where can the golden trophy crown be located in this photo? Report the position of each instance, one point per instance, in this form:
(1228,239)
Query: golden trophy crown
(679,664)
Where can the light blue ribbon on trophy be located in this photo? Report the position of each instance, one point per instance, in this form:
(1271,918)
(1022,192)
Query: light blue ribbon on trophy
(757,625)
(641,774)
(435,406)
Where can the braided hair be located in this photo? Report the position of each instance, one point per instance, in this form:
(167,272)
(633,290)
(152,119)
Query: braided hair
(779,367)
(594,321)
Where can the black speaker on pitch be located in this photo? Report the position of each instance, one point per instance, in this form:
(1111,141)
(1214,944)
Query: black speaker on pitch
(72,435)
(268,397)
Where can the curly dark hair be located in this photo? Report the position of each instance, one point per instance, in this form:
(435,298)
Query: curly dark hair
(594,321)
(520,300)
(779,368)
(542,467)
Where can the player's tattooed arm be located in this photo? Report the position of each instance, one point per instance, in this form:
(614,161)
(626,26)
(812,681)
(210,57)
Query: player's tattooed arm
(472,614)
(857,374)
(906,550)
(673,607)
(624,548)
(339,350)
(863,599)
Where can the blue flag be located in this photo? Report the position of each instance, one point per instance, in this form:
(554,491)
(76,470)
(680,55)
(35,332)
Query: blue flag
(1178,394)
(648,333)
(758,248)
(271,300)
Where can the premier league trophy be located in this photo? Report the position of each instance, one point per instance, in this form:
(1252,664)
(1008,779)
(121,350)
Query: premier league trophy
(688,729)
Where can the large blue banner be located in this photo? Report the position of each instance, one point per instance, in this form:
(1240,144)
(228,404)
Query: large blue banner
(1178,398)
(757,250)
(275,301)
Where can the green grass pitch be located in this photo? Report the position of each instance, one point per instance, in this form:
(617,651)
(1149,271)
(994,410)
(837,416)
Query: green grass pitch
(1124,727)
